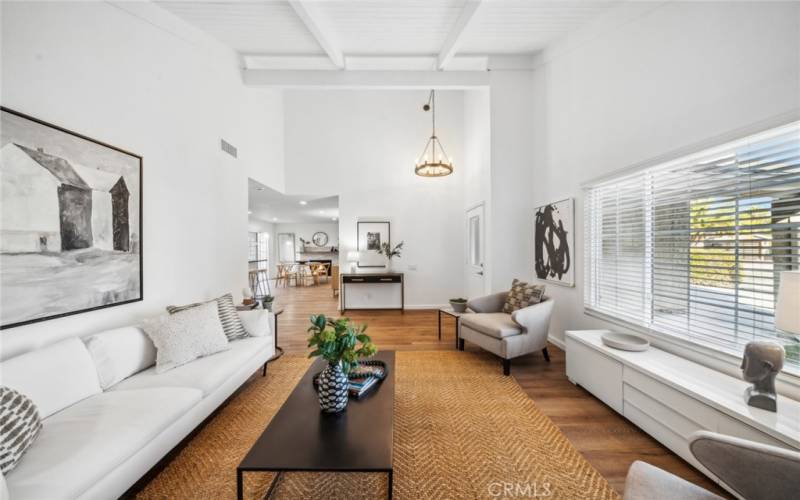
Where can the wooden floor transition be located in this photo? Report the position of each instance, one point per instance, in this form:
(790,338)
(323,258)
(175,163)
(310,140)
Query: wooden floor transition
(607,440)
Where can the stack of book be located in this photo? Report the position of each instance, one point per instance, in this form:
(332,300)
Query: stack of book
(365,377)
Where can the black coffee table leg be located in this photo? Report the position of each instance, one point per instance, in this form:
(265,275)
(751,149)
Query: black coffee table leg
(391,482)
(273,484)
(239,485)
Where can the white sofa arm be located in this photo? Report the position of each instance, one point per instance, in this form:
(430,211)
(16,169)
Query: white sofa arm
(489,303)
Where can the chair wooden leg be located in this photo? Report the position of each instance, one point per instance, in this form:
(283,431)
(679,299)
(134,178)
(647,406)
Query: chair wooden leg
(264,370)
(506,367)
(546,354)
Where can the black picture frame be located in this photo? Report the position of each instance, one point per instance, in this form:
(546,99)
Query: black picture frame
(140,242)
(366,260)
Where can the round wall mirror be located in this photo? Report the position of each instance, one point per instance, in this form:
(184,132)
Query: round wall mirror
(320,239)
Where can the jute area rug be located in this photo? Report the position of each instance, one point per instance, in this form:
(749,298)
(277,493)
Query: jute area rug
(462,431)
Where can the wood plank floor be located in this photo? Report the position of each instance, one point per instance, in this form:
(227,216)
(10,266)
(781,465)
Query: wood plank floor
(607,440)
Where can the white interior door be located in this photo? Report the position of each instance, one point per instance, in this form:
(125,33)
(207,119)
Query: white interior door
(475,232)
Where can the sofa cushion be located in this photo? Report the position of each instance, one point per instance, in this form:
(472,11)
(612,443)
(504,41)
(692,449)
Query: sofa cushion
(54,377)
(19,426)
(186,335)
(257,322)
(120,353)
(522,295)
(79,445)
(497,325)
(230,321)
(206,373)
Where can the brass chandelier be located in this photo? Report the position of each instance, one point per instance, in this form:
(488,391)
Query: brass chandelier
(433,162)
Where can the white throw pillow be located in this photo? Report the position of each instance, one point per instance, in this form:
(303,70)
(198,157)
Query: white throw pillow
(257,323)
(54,377)
(186,336)
(120,353)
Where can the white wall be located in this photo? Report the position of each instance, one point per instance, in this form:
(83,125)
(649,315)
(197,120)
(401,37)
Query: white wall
(148,83)
(361,145)
(477,171)
(512,114)
(649,80)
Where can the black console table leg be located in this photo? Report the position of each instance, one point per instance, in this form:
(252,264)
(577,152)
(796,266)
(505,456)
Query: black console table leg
(239,485)
(391,484)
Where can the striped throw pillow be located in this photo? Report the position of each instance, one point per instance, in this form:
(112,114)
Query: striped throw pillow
(231,324)
(19,426)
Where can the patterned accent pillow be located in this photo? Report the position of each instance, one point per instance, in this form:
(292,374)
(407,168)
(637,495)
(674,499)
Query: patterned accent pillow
(522,295)
(19,426)
(186,335)
(228,316)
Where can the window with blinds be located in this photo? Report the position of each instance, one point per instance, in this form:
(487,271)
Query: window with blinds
(694,247)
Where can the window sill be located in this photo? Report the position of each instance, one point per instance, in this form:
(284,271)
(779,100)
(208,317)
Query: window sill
(788,380)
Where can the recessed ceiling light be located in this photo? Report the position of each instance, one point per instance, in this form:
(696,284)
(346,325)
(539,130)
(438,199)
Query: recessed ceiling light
(333,218)
(303,202)
(249,212)
(274,218)
(322,211)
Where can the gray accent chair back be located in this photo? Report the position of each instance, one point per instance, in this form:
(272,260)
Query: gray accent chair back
(753,470)
(507,335)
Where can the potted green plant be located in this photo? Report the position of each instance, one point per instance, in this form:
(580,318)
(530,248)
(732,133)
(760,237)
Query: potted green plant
(387,251)
(337,341)
(267,302)
(459,305)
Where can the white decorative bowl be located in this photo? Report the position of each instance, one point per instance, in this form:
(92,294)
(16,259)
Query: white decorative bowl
(625,341)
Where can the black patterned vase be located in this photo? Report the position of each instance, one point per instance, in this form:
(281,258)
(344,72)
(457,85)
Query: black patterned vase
(332,389)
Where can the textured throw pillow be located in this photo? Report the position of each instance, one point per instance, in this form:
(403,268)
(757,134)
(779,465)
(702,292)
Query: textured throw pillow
(256,322)
(19,426)
(227,315)
(522,295)
(186,335)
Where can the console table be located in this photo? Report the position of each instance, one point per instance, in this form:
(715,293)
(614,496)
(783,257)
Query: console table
(378,280)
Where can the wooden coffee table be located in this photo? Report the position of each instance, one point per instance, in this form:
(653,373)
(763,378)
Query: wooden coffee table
(302,438)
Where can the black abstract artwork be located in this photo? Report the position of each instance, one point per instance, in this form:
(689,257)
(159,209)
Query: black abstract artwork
(553,242)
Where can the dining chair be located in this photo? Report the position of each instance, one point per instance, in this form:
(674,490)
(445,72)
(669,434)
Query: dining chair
(286,274)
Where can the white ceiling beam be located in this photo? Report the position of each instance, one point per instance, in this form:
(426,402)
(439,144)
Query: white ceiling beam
(456,35)
(311,18)
(365,79)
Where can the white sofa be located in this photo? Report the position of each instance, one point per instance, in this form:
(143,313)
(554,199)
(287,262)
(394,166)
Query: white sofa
(96,443)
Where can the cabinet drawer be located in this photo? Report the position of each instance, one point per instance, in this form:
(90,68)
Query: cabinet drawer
(733,427)
(394,278)
(682,425)
(680,403)
(595,372)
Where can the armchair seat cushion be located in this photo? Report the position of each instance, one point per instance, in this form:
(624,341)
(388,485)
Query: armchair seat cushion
(497,325)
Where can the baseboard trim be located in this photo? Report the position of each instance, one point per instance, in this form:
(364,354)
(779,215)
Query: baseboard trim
(557,342)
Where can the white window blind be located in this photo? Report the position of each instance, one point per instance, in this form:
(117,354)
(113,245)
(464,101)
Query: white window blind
(694,247)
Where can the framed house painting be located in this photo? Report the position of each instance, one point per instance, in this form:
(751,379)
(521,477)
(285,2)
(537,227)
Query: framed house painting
(370,237)
(554,242)
(71,225)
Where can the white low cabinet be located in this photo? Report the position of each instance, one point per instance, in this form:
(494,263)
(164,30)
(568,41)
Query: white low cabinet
(670,397)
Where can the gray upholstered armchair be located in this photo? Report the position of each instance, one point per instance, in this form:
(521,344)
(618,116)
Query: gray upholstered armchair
(507,335)
(753,470)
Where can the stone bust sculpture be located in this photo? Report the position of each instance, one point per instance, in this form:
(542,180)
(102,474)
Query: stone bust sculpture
(761,364)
